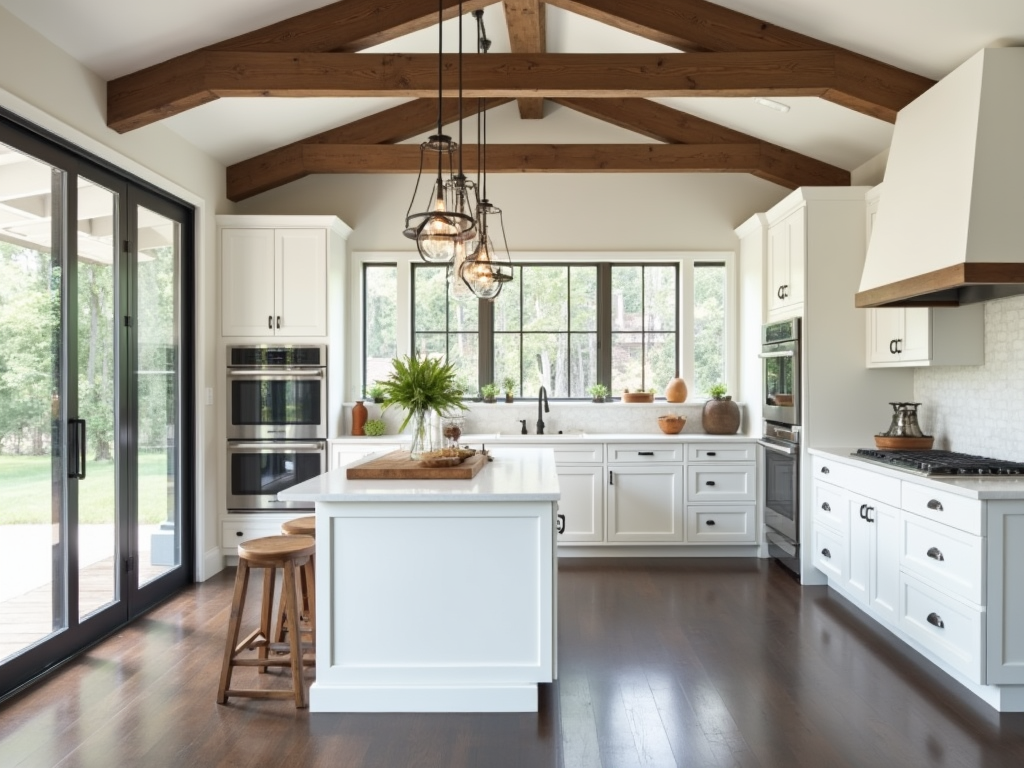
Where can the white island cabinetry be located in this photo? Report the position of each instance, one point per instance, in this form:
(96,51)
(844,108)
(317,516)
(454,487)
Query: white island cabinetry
(418,609)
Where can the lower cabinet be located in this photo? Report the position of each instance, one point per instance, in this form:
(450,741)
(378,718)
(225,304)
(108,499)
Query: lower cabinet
(874,570)
(720,524)
(645,503)
(581,508)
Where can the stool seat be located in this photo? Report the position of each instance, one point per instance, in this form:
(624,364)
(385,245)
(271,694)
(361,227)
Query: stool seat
(293,555)
(300,526)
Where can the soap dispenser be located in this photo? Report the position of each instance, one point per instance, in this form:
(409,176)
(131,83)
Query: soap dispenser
(523,422)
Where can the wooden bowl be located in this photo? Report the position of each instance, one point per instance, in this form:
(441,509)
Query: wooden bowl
(671,425)
(904,443)
(638,397)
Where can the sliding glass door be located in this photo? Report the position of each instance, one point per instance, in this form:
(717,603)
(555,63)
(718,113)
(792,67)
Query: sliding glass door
(95,415)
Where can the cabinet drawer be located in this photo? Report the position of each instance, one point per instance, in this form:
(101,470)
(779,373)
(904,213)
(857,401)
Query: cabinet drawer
(830,507)
(830,553)
(945,558)
(942,507)
(719,482)
(724,452)
(720,524)
(645,453)
(565,453)
(232,534)
(864,482)
(951,630)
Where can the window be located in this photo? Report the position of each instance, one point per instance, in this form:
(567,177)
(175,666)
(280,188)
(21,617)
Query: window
(564,323)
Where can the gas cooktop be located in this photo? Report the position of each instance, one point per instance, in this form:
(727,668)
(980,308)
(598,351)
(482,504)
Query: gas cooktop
(942,463)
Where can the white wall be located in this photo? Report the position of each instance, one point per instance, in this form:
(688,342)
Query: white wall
(980,409)
(41,83)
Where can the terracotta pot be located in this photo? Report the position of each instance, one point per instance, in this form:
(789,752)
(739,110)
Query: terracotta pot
(359,414)
(675,391)
(720,417)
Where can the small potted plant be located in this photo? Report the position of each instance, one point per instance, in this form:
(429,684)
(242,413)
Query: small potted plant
(598,391)
(721,416)
(489,392)
(374,427)
(375,392)
(509,385)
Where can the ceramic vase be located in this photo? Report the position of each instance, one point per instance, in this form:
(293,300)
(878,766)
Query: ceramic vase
(721,416)
(359,415)
(675,391)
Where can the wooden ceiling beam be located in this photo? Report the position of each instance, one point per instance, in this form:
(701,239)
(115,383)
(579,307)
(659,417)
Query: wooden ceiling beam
(144,97)
(285,164)
(527,34)
(865,85)
(656,121)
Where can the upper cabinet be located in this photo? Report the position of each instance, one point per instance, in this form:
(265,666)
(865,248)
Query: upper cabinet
(275,274)
(922,336)
(787,245)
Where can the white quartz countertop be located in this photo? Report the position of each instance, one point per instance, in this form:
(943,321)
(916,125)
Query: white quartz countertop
(515,474)
(569,437)
(973,488)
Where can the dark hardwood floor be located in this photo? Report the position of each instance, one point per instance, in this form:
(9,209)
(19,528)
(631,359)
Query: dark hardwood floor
(661,663)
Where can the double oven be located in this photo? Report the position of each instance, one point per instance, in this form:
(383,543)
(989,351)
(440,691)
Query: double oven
(780,440)
(277,423)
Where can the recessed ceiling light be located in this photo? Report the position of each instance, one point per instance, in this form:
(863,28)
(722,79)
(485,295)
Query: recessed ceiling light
(778,106)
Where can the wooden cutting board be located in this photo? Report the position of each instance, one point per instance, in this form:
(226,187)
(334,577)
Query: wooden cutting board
(397,466)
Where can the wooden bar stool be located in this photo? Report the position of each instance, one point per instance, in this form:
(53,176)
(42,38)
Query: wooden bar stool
(301,526)
(290,554)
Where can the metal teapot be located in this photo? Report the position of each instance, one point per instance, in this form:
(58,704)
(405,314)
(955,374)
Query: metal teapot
(904,421)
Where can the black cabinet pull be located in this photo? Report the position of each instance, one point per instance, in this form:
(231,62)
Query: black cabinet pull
(709,482)
(867,514)
(785,293)
(279,321)
(899,346)
(709,522)
(935,554)
(825,470)
(863,511)
(779,292)
(270,322)
(892,347)
(611,477)
(936,621)
(645,453)
(825,506)
(935,504)
(826,553)
(560,523)
(238,533)
(712,453)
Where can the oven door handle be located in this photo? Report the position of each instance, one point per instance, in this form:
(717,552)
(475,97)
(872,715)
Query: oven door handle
(317,373)
(788,450)
(275,446)
(785,353)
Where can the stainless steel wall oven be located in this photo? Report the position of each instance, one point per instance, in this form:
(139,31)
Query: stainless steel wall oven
(780,367)
(277,423)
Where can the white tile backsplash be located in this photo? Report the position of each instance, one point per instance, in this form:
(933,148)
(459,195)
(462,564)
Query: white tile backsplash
(980,409)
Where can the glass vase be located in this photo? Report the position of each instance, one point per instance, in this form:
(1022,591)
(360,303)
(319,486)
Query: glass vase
(422,435)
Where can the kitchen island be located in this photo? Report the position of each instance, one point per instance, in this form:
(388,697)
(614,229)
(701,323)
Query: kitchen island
(436,595)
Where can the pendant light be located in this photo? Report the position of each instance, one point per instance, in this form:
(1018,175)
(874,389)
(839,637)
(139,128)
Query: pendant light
(447,219)
(487,268)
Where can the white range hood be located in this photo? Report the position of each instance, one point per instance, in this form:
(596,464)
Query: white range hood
(950,222)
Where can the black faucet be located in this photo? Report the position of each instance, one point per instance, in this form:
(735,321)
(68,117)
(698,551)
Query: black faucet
(542,398)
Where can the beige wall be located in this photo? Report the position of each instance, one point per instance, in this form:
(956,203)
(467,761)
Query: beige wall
(41,83)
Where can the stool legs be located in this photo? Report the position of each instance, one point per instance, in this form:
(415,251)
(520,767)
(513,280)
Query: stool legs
(260,638)
(307,604)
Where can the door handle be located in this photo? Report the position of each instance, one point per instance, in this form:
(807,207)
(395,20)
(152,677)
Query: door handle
(645,453)
(935,554)
(867,514)
(779,292)
(560,523)
(279,321)
(826,553)
(711,453)
(611,477)
(899,346)
(270,322)
(863,511)
(892,347)
(76,448)
(936,621)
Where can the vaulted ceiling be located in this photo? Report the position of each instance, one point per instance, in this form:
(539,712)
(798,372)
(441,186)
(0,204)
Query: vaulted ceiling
(676,74)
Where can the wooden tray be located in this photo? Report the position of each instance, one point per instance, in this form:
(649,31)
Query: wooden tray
(638,397)
(904,443)
(397,466)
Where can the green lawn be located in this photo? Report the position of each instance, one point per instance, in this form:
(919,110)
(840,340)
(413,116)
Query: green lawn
(25,487)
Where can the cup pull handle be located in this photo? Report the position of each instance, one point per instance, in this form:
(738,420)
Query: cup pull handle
(935,554)
(825,506)
(826,553)
(645,453)
(709,522)
(824,470)
(709,482)
(712,453)
(560,523)
(936,621)
(935,504)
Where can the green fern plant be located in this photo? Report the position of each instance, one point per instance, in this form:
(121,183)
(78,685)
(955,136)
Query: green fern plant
(421,384)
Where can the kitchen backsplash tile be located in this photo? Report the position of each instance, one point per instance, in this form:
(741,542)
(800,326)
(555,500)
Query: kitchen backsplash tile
(980,409)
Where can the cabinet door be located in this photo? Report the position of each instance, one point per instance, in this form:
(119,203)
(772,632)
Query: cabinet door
(797,247)
(582,503)
(885,327)
(645,503)
(884,589)
(247,282)
(778,265)
(859,565)
(916,338)
(301,282)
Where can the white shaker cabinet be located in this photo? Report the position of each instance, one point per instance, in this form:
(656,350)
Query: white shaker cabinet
(645,492)
(785,274)
(874,576)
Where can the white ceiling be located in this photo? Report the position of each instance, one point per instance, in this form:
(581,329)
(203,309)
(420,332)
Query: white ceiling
(928,37)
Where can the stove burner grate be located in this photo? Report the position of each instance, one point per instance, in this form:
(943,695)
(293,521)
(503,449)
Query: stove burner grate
(944,463)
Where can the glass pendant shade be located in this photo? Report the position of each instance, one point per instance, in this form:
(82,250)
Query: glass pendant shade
(458,289)
(488,268)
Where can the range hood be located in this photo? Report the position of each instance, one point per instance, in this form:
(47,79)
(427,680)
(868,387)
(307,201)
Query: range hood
(950,223)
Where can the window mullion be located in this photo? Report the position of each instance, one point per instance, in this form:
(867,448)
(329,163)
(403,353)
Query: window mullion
(485,343)
(604,324)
